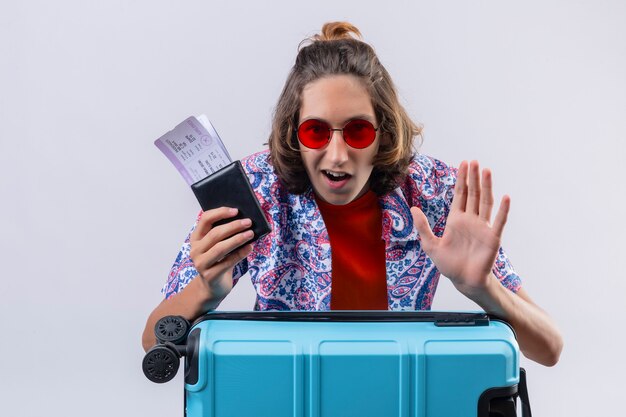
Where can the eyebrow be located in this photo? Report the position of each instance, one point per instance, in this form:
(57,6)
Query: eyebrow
(358,116)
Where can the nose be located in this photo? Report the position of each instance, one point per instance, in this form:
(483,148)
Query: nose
(337,149)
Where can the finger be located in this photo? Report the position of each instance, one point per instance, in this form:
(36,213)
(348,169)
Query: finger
(205,223)
(428,239)
(232,259)
(503,213)
(486,196)
(222,232)
(223,248)
(459,200)
(473,191)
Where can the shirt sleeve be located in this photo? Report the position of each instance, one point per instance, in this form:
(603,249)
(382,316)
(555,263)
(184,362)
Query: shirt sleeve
(503,270)
(183,269)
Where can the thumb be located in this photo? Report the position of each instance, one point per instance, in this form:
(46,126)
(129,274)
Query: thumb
(423,228)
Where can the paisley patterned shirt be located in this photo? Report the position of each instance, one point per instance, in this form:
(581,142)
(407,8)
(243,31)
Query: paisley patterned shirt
(290,268)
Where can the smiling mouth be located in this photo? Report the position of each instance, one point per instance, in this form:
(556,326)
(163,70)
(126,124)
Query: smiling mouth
(336,176)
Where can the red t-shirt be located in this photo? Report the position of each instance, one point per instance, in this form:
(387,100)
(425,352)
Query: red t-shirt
(359,274)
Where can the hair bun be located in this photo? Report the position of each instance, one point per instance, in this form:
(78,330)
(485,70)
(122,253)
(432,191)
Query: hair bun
(332,31)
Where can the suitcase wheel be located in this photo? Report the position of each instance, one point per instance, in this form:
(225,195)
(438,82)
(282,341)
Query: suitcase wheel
(171,329)
(161,364)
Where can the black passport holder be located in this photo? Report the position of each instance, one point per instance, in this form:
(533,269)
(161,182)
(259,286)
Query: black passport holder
(229,187)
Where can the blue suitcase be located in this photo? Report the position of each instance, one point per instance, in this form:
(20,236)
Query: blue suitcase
(342,364)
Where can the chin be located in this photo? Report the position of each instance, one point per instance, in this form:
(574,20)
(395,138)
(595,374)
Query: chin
(340,201)
(340,196)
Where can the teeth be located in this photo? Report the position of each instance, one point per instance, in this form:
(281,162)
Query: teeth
(335,174)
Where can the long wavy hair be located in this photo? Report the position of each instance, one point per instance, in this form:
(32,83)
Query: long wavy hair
(338,50)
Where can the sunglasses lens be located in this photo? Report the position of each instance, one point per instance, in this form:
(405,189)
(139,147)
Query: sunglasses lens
(359,133)
(313,133)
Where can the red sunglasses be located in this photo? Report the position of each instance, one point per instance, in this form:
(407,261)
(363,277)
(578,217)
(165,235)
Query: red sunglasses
(357,133)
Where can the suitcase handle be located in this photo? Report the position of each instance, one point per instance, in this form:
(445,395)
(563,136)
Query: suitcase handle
(523,394)
(501,402)
(439,318)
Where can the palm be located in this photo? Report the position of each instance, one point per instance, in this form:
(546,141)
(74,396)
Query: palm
(468,248)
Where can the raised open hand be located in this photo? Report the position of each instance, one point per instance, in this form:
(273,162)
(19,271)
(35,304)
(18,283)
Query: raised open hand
(469,246)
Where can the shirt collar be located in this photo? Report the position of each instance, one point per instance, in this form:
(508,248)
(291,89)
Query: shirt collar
(397,219)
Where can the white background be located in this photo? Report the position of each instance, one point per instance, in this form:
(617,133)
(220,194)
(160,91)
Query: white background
(92,215)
